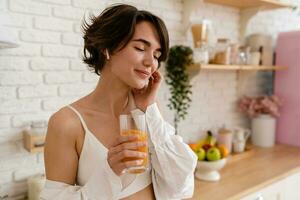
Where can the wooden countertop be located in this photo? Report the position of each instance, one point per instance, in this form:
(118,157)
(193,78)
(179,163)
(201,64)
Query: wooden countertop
(249,172)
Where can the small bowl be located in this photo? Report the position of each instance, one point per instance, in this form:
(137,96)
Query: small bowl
(208,170)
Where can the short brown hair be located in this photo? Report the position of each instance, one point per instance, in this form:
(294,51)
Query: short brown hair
(113,29)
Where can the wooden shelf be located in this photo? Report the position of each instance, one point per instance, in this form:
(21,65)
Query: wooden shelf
(197,67)
(33,143)
(244,4)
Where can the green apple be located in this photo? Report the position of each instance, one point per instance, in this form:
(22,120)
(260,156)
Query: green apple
(200,153)
(213,154)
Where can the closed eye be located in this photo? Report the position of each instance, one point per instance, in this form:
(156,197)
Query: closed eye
(156,56)
(139,49)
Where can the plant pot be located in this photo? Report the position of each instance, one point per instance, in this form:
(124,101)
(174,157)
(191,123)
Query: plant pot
(263,130)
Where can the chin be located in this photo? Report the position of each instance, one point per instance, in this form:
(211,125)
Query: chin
(140,84)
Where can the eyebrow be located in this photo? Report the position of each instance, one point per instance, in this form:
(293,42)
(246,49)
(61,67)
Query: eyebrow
(146,43)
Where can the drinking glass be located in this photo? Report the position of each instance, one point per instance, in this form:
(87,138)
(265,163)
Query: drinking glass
(135,125)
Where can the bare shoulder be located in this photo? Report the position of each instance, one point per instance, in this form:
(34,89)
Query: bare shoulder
(64,124)
(61,158)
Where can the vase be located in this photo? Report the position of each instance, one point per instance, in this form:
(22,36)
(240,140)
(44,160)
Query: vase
(263,130)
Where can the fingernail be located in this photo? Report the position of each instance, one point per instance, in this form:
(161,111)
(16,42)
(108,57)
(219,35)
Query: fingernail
(140,161)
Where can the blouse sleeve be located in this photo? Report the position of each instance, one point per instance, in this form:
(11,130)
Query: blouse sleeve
(103,184)
(173,162)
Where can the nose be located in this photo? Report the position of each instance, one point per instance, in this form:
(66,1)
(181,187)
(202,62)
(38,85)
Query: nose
(149,60)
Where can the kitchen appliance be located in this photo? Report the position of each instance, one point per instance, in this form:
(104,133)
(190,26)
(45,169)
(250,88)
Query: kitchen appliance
(261,43)
(286,87)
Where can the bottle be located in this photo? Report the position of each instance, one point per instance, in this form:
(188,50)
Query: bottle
(222,52)
(200,54)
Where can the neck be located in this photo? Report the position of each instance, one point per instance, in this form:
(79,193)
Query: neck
(111,95)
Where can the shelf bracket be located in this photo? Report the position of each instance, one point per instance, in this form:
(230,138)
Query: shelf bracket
(189,6)
(194,72)
(245,17)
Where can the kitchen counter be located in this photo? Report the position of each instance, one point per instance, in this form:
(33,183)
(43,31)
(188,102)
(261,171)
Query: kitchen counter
(250,171)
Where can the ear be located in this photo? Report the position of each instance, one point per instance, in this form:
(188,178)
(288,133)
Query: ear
(107,54)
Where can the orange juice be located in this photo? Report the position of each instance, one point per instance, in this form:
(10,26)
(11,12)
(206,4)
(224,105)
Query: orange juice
(142,136)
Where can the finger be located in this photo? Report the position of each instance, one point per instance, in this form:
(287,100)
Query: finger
(132,163)
(125,138)
(129,146)
(157,76)
(150,84)
(127,154)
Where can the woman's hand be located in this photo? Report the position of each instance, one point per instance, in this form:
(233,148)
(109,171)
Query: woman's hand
(125,147)
(147,95)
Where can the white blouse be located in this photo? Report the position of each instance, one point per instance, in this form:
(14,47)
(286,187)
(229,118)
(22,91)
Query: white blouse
(172,168)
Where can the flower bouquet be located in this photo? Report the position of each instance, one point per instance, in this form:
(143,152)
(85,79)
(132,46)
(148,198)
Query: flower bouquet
(263,111)
(254,106)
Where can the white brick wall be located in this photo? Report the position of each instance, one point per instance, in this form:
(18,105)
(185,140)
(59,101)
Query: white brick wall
(46,73)
(52,24)
(48,64)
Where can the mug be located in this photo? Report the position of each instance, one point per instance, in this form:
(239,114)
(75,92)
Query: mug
(240,138)
(254,58)
(241,134)
(239,146)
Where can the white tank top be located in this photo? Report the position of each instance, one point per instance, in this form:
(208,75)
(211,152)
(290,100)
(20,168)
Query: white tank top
(93,151)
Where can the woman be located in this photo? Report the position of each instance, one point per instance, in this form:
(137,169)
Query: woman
(84,152)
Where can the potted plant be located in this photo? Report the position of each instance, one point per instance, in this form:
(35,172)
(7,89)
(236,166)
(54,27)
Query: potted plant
(263,111)
(179,58)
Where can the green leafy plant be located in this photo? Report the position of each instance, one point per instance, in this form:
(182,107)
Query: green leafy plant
(179,58)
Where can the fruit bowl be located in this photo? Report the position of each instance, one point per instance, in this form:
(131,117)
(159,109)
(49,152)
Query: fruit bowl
(208,170)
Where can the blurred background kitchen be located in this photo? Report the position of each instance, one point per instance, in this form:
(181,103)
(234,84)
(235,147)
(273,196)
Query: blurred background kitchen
(41,69)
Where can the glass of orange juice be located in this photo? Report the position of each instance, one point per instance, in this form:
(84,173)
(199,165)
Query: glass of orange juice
(135,125)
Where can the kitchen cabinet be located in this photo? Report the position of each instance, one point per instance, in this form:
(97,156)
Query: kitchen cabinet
(286,189)
(272,172)
(291,188)
(272,192)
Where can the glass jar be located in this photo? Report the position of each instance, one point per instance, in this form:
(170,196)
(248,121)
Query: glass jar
(222,52)
(244,52)
(201,54)
(201,31)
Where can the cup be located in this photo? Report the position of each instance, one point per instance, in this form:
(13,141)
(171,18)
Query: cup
(241,134)
(239,146)
(225,138)
(136,125)
(254,58)
(240,138)
(200,32)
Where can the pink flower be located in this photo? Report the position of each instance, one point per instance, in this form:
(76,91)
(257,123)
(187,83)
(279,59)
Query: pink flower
(254,106)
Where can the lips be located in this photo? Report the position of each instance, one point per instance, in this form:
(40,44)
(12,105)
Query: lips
(142,73)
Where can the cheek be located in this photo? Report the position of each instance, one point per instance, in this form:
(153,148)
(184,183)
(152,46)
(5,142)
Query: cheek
(155,67)
(131,58)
